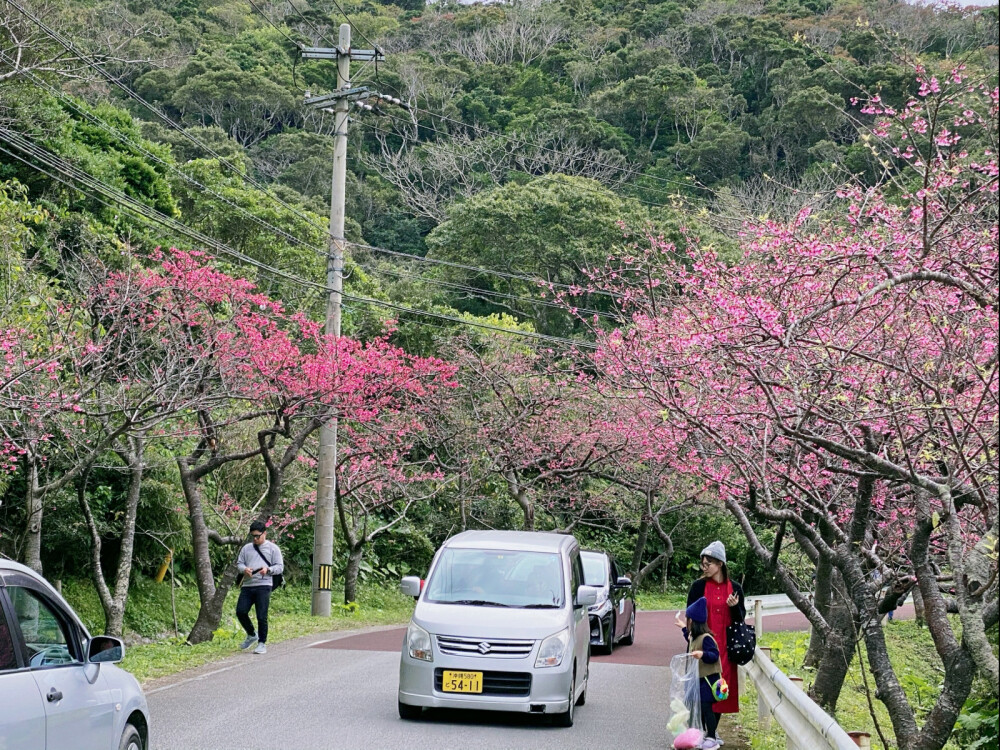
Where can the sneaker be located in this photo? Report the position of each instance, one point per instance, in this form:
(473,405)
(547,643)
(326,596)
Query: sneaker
(709,743)
(261,649)
(248,642)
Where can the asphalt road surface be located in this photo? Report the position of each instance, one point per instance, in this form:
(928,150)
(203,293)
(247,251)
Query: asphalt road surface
(340,692)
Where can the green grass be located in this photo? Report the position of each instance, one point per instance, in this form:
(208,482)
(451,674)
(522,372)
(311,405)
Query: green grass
(155,651)
(913,657)
(653,600)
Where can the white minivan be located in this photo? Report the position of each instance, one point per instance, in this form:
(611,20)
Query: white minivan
(500,625)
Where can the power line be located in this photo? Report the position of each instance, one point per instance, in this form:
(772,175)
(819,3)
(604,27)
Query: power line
(69,46)
(176,126)
(549,176)
(475,292)
(261,222)
(483,271)
(146,212)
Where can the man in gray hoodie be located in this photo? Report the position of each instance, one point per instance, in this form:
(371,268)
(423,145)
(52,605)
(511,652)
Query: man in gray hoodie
(258,561)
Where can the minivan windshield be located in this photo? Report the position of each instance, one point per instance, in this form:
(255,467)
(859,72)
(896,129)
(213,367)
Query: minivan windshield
(595,571)
(497,578)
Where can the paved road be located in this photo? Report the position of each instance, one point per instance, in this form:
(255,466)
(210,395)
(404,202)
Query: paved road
(341,693)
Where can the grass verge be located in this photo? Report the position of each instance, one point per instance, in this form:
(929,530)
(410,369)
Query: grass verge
(913,657)
(155,649)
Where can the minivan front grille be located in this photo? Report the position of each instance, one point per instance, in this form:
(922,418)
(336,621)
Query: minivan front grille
(503,648)
(497,683)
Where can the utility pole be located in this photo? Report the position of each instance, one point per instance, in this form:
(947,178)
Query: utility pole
(322,574)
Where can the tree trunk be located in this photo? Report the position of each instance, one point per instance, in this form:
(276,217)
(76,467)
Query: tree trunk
(918,606)
(838,650)
(210,612)
(114,602)
(351,574)
(199,533)
(33,525)
(640,547)
(821,600)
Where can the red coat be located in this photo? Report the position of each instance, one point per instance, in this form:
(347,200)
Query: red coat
(720,617)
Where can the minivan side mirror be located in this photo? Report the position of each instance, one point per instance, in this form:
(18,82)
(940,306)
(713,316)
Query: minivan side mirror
(623,582)
(105,649)
(586,596)
(410,585)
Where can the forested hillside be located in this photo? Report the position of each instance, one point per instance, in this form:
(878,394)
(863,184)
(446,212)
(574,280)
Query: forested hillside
(550,233)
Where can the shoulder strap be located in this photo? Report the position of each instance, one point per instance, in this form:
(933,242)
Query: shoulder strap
(256,548)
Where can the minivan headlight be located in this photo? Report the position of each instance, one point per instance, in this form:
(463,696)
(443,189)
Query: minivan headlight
(550,653)
(418,643)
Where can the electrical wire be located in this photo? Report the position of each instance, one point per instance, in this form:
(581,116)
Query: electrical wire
(115,199)
(236,170)
(278,231)
(481,293)
(445,135)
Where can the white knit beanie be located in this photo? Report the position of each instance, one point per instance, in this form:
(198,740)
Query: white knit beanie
(716,549)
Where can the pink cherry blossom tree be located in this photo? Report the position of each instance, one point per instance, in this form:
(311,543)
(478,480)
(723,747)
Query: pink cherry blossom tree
(840,383)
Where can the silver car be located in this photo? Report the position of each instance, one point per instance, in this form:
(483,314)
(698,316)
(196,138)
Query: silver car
(59,688)
(501,625)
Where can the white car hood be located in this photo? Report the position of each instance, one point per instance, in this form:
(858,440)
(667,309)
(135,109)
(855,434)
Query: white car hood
(464,620)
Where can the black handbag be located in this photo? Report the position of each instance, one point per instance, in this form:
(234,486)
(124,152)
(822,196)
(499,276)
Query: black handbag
(277,579)
(741,642)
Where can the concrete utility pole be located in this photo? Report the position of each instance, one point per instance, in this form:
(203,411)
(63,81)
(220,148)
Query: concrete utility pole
(322,575)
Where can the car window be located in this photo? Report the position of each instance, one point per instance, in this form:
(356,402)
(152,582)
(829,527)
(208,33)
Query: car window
(578,578)
(496,577)
(8,659)
(45,634)
(594,570)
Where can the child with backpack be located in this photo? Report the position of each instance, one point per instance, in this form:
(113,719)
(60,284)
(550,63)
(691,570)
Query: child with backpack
(703,647)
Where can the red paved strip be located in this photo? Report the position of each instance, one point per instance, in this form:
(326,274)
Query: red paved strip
(380,640)
(657,639)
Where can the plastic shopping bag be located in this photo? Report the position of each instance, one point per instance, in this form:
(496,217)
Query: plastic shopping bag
(684,728)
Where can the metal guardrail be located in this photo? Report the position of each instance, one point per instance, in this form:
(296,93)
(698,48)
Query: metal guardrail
(806,725)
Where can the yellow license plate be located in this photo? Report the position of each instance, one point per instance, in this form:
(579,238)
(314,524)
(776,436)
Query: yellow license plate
(461,682)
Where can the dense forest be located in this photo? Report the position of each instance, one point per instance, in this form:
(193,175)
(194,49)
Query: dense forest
(513,197)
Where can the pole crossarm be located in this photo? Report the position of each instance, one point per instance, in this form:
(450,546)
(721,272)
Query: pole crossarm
(334,53)
(353,94)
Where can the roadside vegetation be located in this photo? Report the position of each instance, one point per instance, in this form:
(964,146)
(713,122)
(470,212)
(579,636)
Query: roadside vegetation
(651,273)
(920,671)
(155,648)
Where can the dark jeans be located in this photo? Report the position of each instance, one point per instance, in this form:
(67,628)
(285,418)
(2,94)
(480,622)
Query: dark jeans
(258,597)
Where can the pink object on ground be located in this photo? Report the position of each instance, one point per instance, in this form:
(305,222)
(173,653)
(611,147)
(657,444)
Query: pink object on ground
(688,739)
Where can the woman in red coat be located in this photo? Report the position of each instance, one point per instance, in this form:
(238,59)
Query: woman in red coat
(726,606)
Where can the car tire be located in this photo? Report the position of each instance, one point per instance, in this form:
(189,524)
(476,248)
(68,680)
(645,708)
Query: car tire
(131,739)
(408,712)
(565,719)
(629,638)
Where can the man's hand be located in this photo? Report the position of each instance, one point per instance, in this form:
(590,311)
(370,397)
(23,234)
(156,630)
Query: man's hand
(697,654)
(733,600)
(263,571)
(248,571)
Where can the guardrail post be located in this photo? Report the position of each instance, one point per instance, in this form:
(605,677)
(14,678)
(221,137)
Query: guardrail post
(792,743)
(758,617)
(58,586)
(763,710)
(861,739)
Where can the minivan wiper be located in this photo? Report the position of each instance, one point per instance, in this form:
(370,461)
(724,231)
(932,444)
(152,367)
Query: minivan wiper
(478,603)
(540,606)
